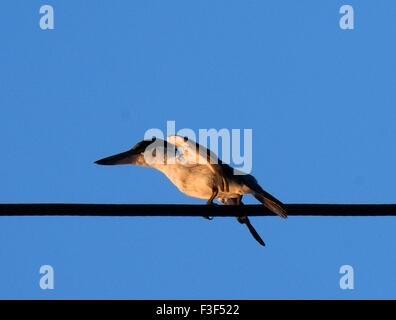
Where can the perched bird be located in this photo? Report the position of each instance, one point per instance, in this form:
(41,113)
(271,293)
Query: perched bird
(197,172)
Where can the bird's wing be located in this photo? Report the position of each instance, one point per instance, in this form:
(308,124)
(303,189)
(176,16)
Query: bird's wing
(195,153)
(192,151)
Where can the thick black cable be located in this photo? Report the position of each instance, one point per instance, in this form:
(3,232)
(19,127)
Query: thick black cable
(182,210)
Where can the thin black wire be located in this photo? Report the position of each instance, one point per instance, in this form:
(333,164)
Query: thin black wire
(182,210)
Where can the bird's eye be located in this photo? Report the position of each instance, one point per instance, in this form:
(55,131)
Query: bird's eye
(185,139)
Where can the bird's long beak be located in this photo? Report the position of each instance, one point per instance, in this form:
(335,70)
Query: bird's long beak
(128,157)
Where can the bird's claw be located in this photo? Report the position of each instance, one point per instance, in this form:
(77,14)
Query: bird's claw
(211,203)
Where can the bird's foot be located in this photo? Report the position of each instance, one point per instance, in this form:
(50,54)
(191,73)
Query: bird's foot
(210,203)
(242,219)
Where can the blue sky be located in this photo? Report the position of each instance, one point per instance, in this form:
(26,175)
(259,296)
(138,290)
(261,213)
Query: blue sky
(321,104)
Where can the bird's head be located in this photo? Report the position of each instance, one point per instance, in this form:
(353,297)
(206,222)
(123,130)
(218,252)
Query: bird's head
(145,153)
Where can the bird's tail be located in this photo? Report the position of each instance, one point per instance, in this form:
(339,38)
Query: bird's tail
(270,202)
(245,220)
(264,197)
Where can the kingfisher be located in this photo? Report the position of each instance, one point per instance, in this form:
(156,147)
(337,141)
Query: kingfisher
(197,172)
